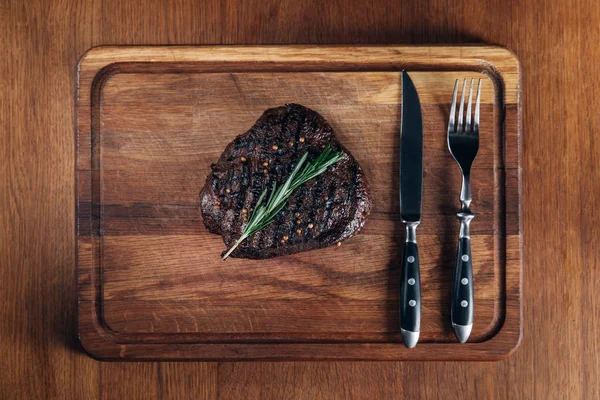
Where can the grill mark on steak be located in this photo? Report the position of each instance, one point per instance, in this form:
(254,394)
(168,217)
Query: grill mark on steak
(334,219)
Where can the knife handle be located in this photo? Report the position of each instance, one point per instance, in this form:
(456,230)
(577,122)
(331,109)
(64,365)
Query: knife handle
(462,291)
(410,290)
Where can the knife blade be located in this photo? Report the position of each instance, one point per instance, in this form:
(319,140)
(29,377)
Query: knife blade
(411,193)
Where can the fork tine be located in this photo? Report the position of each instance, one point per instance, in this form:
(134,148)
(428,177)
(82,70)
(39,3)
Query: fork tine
(461,108)
(477,103)
(468,124)
(453,109)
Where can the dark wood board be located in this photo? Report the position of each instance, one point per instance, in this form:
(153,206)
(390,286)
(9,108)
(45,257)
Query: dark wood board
(150,120)
(556,44)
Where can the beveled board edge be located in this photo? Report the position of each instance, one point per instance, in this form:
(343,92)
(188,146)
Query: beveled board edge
(102,343)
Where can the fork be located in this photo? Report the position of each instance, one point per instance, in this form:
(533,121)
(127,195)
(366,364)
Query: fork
(463,142)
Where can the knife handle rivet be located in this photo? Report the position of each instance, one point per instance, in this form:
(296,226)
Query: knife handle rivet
(464,281)
(464,303)
(412,303)
(411,281)
(410,259)
(465,258)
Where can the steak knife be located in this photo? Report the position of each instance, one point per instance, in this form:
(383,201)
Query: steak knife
(411,192)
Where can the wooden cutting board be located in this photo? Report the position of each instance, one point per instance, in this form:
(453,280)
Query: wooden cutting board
(151,284)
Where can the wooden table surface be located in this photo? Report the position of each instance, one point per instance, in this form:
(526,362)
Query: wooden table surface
(557,43)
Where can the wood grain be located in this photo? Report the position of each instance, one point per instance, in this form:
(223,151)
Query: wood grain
(556,42)
(157,271)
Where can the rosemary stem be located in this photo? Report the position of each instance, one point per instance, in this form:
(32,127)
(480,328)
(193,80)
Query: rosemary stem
(235,245)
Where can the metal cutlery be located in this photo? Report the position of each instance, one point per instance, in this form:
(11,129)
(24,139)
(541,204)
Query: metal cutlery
(411,191)
(463,142)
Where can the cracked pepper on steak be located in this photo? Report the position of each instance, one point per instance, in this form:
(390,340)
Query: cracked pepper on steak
(324,211)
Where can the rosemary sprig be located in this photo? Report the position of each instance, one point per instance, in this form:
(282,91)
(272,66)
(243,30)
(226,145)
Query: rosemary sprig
(264,214)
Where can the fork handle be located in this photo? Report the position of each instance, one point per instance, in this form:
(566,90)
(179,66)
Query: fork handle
(410,289)
(462,291)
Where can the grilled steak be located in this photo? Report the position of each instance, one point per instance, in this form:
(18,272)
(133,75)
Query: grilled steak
(324,211)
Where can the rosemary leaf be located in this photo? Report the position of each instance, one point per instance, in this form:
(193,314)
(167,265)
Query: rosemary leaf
(264,214)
